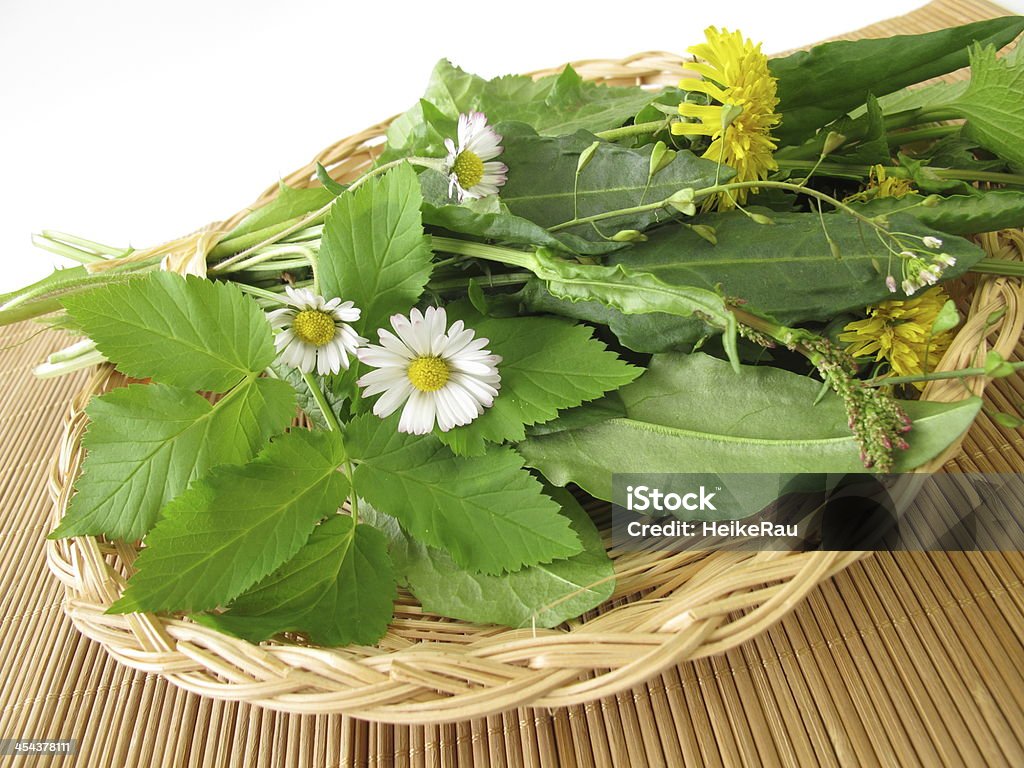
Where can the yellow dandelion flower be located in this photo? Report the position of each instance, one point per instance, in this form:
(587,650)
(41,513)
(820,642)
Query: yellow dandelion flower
(735,75)
(901,333)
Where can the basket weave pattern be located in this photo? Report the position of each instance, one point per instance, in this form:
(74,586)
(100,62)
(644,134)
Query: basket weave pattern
(667,607)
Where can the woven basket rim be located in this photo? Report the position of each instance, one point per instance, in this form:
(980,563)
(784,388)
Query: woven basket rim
(694,604)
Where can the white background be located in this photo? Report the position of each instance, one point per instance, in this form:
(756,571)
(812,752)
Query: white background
(136,122)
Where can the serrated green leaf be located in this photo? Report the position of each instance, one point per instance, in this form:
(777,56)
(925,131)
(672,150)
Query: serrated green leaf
(547,365)
(817,86)
(237,525)
(691,413)
(553,105)
(182,331)
(487,512)
(993,105)
(543,186)
(338,589)
(373,250)
(538,595)
(146,443)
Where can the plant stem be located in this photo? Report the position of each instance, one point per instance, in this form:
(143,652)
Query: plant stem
(321,402)
(491,281)
(483,251)
(706,191)
(49,370)
(261,293)
(313,217)
(843,171)
(637,129)
(963,373)
(999,267)
(925,133)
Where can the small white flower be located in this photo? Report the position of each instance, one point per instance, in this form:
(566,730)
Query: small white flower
(315,333)
(890,283)
(946,260)
(441,374)
(932,242)
(909,287)
(472,171)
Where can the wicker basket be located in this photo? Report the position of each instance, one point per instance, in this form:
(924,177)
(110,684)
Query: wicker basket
(667,608)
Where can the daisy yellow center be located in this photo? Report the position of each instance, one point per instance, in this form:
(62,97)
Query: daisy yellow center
(468,169)
(314,327)
(429,374)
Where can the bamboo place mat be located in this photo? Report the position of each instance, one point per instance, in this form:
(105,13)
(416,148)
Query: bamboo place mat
(908,659)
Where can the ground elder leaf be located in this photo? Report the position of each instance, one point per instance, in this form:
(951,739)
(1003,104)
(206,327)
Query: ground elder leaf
(486,511)
(338,589)
(146,443)
(184,331)
(237,525)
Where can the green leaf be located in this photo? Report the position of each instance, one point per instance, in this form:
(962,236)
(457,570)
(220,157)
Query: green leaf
(547,364)
(635,292)
(817,86)
(183,331)
(993,105)
(996,366)
(539,595)
(499,225)
(1007,420)
(787,270)
(649,332)
(925,178)
(543,186)
(237,525)
(920,97)
(332,186)
(373,250)
(338,589)
(146,443)
(690,413)
(984,211)
(487,512)
(947,319)
(290,203)
(553,105)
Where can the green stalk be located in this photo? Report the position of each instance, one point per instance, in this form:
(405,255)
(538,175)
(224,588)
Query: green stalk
(1005,267)
(321,402)
(925,133)
(637,129)
(491,281)
(843,171)
(707,191)
(483,251)
(963,373)
(311,218)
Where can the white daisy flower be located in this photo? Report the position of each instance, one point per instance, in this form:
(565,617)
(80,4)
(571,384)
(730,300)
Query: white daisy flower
(472,171)
(314,332)
(441,374)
